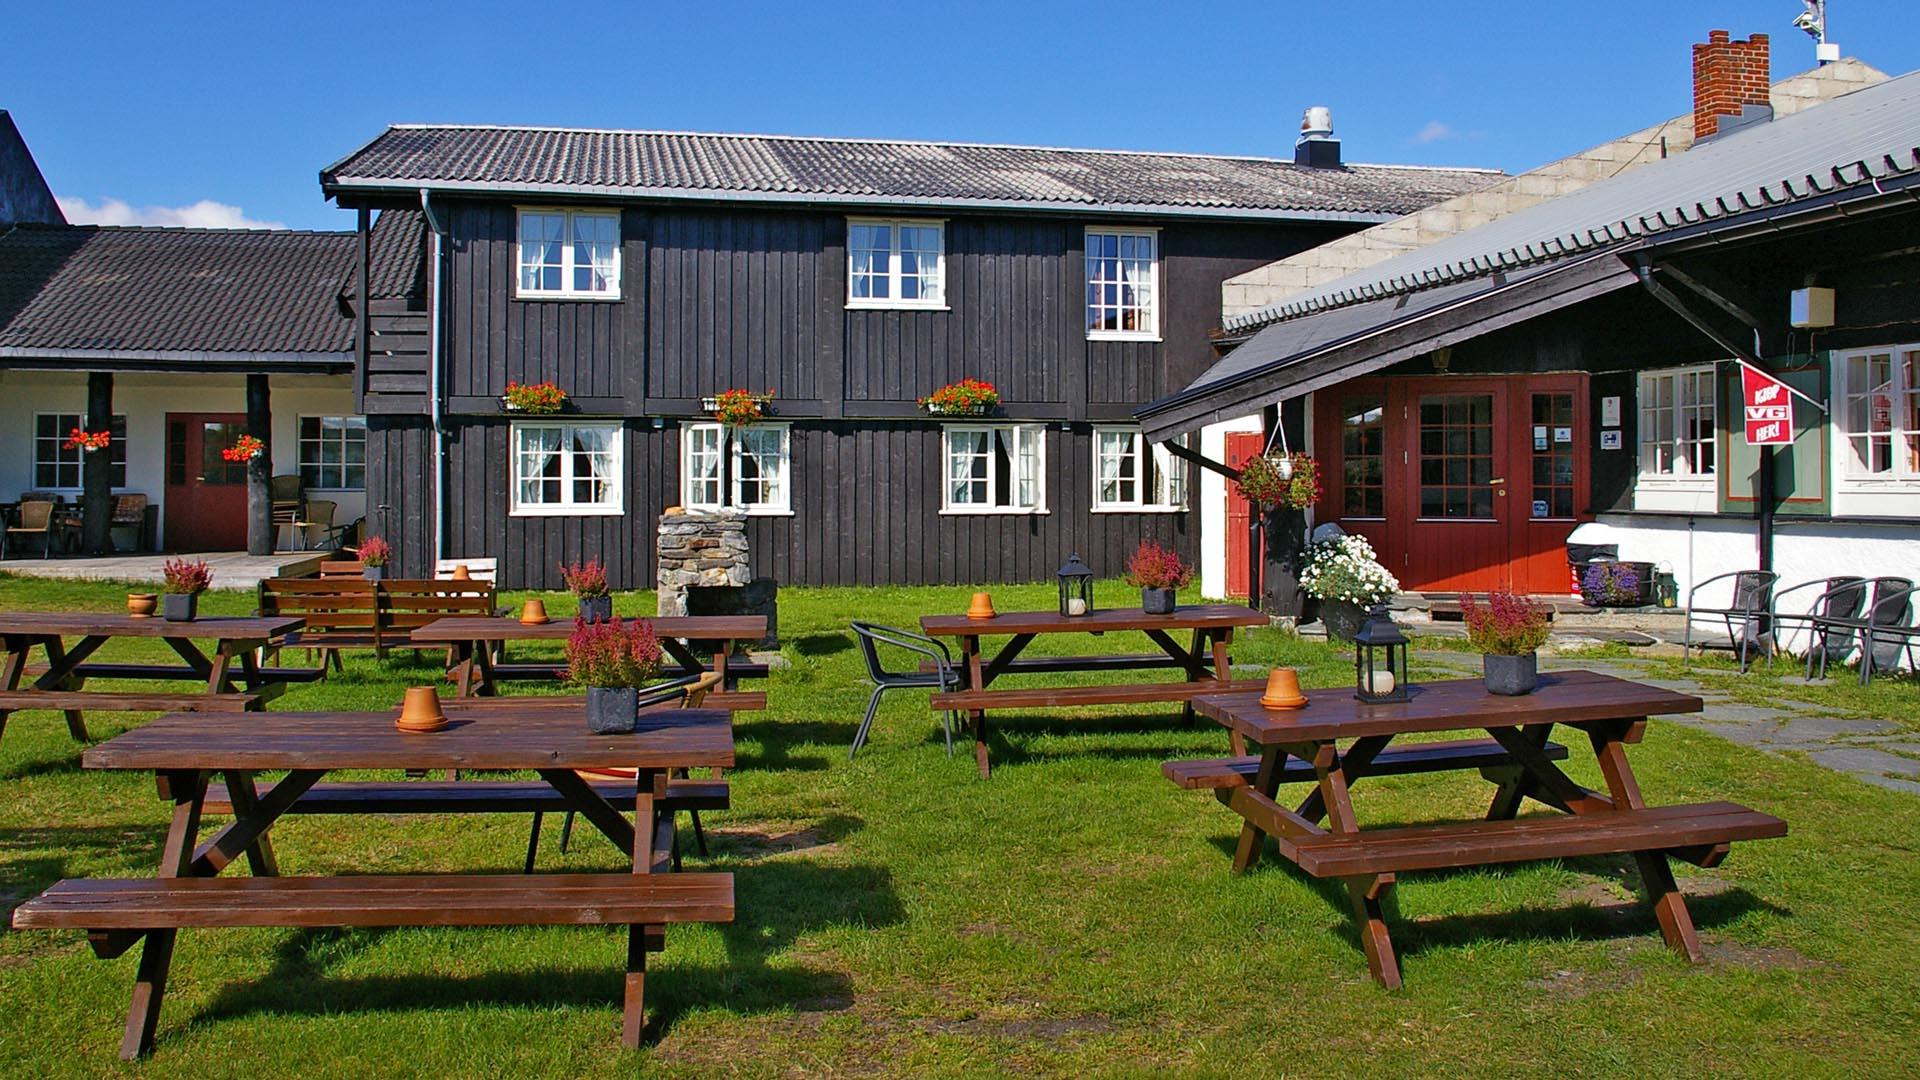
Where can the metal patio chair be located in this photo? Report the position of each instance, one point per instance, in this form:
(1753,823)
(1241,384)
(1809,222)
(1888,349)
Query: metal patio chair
(1831,619)
(942,677)
(1751,608)
(1888,631)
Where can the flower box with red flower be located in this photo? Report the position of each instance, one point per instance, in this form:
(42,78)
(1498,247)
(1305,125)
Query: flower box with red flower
(968,397)
(539,399)
(738,408)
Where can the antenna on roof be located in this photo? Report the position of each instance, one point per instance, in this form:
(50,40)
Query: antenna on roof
(1813,22)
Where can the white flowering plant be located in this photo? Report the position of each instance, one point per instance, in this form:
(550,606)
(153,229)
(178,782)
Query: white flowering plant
(1344,568)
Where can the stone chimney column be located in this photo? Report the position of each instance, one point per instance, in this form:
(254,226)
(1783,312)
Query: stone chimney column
(1729,77)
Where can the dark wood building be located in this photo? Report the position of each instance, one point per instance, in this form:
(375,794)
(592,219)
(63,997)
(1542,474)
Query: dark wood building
(646,273)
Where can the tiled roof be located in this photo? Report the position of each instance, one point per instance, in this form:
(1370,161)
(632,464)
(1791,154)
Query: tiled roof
(93,289)
(667,164)
(398,255)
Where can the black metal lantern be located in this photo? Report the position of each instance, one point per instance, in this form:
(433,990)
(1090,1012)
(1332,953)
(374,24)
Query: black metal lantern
(1076,587)
(1379,659)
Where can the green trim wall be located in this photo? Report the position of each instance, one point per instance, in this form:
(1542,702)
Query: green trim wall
(1803,472)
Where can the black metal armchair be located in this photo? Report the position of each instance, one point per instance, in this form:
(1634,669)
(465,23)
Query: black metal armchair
(1888,632)
(942,677)
(1830,619)
(1751,608)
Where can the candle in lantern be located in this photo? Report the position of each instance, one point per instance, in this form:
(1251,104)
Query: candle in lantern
(1380,682)
(1076,606)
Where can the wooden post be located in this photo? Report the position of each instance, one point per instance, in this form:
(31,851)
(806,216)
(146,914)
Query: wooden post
(260,469)
(1285,528)
(96,481)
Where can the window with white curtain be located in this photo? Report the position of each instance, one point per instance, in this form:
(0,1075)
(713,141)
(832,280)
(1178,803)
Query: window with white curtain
(1123,284)
(569,253)
(995,469)
(896,263)
(757,460)
(1880,412)
(569,469)
(1677,426)
(1130,473)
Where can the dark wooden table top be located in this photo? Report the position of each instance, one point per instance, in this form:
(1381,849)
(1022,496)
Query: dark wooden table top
(697,627)
(1564,697)
(1184,617)
(110,624)
(501,737)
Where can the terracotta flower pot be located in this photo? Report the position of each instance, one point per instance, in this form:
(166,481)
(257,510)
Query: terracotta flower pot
(1283,689)
(982,606)
(533,612)
(461,573)
(141,605)
(420,711)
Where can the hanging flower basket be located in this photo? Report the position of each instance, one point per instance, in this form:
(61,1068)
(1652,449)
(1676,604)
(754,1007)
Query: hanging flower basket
(1290,480)
(539,399)
(968,397)
(88,441)
(244,448)
(737,408)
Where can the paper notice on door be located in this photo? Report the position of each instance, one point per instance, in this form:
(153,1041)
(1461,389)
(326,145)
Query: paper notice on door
(1563,434)
(1539,508)
(1540,436)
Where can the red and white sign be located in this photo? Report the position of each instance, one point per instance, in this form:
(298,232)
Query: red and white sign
(1769,409)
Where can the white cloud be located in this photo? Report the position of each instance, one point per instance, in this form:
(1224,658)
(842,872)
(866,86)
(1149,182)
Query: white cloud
(205,214)
(1435,131)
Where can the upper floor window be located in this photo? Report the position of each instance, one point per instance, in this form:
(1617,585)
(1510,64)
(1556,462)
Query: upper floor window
(333,452)
(1131,474)
(567,469)
(1123,284)
(995,469)
(757,462)
(896,263)
(569,253)
(56,465)
(1677,425)
(1880,412)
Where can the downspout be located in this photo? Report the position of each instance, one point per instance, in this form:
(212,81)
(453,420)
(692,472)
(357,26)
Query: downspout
(433,380)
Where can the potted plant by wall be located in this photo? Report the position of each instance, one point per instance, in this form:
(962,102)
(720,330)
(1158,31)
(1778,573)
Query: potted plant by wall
(588,582)
(183,583)
(1157,571)
(738,408)
(375,554)
(1342,573)
(539,399)
(968,397)
(1290,480)
(244,449)
(1508,630)
(612,660)
(1609,583)
(88,442)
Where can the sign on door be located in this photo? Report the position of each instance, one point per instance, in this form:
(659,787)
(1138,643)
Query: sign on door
(1769,410)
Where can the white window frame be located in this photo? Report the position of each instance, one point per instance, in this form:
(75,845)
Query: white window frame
(568,263)
(612,506)
(1150,332)
(726,447)
(1016,436)
(1903,474)
(893,274)
(300,462)
(1691,481)
(62,429)
(1155,468)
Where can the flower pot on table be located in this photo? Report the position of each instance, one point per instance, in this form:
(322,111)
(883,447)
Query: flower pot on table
(1342,619)
(180,607)
(1157,601)
(596,608)
(1511,676)
(612,710)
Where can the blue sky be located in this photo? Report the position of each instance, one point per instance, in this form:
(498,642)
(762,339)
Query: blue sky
(165,108)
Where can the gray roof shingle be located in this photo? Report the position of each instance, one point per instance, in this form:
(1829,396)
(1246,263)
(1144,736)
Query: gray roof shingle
(667,164)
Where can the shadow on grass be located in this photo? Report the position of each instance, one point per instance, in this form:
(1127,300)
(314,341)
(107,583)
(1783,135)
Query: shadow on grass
(821,644)
(777,902)
(31,859)
(1007,732)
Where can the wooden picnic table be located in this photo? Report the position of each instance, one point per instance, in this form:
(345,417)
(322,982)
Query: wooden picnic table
(1303,745)
(60,683)
(184,751)
(1203,661)
(473,639)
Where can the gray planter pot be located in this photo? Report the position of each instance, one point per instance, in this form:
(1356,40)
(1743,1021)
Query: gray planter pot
(612,710)
(1342,619)
(1156,601)
(596,608)
(1511,676)
(373,573)
(180,607)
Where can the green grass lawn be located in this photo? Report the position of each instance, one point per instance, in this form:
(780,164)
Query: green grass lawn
(1074,914)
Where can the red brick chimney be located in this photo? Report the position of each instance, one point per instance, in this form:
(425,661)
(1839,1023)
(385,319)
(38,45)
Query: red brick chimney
(1727,76)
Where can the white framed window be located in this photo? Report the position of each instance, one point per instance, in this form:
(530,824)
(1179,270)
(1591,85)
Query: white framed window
(758,463)
(896,263)
(1123,284)
(57,466)
(1131,474)
(333,453)
(567,469)
(1879,415)
(1677,440)
(995,469)
(571,254)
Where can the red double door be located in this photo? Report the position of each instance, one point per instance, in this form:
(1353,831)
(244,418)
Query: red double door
(206,507)
(1462,484)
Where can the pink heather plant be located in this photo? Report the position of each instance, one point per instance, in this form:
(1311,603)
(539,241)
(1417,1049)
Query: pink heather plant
(587,579)
(1507,625)
(375,551)
(612,654)
(183,578)
(1156,567)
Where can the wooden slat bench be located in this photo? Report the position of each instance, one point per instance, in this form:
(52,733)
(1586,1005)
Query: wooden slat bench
(354,613)
(1048,665)
(730,700)
(101,905)
(1044,697)
(1233,772)
(472,796)
(96,670)
(129,701)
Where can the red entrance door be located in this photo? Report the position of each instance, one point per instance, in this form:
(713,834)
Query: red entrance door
(206,508)
(1241,445)
(1463,484)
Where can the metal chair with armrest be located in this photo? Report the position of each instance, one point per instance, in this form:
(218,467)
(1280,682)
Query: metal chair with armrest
(942,677)
(1751,605)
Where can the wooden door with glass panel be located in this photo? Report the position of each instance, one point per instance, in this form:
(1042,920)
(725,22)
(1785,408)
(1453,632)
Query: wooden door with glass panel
(1458,498)
(206,507)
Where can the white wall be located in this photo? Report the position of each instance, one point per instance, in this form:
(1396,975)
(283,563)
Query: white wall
(145,400)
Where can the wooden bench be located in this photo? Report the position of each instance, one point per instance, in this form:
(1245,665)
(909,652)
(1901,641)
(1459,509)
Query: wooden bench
(1043,697)
(130,701)
(1697,832)
(1047,665)
(354,613)
(472,797)
(100,905)
(1233,772)
(96,670)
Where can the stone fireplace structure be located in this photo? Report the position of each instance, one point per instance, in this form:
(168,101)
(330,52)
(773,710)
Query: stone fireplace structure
(705,569)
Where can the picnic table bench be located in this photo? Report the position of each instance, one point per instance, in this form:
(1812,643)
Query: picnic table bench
(1303,746)
(1204,660)
(478,673)
(185,751)
(354,613)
